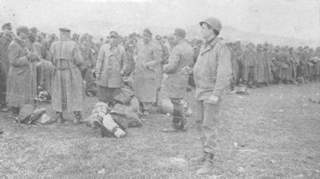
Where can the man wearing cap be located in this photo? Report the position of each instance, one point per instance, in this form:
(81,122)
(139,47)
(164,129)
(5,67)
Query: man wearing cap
(147,74)
(88,56)
(111,64)
(6,38)
(176,83)
(21,88)
(212,75)
(67,92)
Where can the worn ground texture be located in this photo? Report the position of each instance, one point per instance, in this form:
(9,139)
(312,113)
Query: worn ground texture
(272,133)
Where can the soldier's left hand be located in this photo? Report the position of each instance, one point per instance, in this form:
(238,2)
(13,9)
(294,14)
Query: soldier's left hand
(122,73)
(146,66)
(187,70)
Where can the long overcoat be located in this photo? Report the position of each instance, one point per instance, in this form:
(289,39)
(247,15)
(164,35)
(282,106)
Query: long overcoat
(147,74)
(67,86)
(110,63)
(21,81)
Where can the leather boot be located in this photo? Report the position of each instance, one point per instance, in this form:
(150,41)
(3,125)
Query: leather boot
(59,117)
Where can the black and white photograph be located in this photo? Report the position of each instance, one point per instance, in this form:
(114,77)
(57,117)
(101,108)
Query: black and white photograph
(168,89)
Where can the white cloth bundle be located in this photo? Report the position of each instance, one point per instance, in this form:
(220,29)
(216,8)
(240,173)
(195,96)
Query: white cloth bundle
(100,116)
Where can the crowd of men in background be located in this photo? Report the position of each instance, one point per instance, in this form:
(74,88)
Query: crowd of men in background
(264,64)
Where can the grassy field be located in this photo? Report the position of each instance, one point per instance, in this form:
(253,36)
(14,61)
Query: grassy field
(272,133)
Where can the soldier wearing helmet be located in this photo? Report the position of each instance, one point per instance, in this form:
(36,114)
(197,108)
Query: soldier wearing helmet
(176,82)
(212,75)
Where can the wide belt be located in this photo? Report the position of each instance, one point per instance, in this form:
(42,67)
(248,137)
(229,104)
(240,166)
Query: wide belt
(63,64)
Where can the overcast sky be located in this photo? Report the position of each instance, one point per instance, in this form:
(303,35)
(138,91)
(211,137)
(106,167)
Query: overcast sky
(289,18)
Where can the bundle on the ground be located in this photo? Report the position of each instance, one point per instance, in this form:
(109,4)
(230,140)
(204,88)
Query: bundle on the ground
(126,110)
(31,115)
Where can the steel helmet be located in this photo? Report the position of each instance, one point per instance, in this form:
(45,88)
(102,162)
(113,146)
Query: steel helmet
(214,23)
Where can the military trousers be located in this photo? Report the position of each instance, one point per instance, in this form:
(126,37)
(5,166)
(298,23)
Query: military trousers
(207,120)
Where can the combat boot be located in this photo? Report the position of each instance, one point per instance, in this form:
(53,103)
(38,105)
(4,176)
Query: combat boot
(200,159)
(59,117)
(179,118)
(178,123)
(4,108)
(77,117)
(207,166)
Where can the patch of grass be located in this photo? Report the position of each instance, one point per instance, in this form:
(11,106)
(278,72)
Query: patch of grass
(272,133)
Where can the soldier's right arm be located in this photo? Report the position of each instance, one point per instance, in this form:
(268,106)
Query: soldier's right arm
(13,55)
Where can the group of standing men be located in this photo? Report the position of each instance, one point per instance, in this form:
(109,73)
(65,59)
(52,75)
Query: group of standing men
(63,64)
(28,61)
(158,68)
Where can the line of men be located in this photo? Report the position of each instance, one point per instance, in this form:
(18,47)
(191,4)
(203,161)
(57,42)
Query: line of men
(264,64)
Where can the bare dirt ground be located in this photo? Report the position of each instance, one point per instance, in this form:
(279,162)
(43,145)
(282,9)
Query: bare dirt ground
(272,133)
